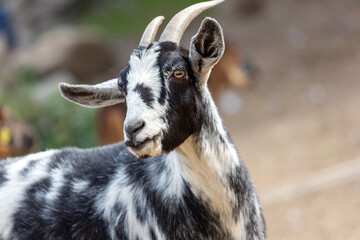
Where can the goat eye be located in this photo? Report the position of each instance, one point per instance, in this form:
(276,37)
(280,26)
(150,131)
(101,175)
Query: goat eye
(179,74)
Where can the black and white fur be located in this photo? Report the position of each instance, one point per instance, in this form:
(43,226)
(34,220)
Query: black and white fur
(179,177)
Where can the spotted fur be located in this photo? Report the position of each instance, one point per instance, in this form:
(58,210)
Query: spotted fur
(179,177)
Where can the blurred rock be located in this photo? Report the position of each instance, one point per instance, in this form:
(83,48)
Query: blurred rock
(32,17)
(78,51)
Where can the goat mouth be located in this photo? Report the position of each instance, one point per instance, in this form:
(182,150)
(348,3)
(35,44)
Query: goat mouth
(135,145)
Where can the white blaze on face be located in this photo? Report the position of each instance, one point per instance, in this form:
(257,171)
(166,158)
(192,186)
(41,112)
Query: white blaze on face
(144,71)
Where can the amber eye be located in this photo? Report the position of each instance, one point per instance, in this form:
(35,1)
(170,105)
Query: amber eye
(179,74)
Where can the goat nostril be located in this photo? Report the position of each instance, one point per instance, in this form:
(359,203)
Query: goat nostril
(132,129)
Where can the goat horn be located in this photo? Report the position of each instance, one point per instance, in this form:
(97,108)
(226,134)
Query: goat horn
(150,31)
(178,24)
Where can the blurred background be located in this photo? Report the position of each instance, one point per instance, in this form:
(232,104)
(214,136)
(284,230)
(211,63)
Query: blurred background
(288,89)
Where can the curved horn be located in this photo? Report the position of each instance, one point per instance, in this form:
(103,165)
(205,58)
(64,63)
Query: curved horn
(178,24)
(150,31)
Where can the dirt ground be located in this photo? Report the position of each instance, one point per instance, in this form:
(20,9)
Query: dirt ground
(298,129)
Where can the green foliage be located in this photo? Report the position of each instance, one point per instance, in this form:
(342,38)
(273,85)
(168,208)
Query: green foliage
(129,16)
(58,122)
(61,123)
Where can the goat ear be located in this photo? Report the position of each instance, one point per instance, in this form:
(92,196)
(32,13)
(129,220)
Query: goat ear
(93,96)
(206,48)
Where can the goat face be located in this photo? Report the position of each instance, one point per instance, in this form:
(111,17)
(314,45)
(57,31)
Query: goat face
(163,86)
(163,100)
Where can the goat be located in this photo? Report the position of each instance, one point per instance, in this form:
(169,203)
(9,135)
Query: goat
(176,176)
(110,120)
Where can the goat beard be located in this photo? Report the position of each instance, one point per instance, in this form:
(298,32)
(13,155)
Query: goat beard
(151,148)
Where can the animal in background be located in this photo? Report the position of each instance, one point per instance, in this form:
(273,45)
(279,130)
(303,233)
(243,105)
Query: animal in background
(232,71)
(16,138)
(176,176)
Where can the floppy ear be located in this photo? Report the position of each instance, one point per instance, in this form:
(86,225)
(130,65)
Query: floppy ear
(93,96)
(206,48)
